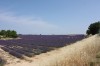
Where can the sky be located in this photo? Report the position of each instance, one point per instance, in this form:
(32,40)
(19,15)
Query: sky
(48,16)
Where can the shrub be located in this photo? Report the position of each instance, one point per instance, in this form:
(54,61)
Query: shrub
(94,28)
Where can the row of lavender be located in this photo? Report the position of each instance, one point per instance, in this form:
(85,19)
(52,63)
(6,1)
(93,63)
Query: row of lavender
(30,45)
(50,40)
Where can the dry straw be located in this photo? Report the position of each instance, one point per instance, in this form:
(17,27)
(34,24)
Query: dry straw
(77,54)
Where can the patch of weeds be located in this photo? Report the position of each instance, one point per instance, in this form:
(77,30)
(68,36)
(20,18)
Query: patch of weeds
(2,62)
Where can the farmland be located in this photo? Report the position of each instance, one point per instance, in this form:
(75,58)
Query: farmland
(50,50)
(80,53)
(31,45)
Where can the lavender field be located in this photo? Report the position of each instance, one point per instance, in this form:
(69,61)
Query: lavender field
(31,45)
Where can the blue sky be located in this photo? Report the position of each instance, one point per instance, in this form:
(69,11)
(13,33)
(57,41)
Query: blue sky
(48,16)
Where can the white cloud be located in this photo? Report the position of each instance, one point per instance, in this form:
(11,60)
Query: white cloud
(29,22)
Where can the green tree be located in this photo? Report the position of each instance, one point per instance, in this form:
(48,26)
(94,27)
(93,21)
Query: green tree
(94,28)
(3,33)
(8,33)
(13,34)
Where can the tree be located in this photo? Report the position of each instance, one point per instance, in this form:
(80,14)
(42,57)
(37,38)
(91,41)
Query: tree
(94,28)
(8,33)
(13,34)
(3,33)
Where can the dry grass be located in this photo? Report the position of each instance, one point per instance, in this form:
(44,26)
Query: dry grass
(77,54)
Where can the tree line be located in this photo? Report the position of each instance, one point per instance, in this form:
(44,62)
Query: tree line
(8,34)
(94,28)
